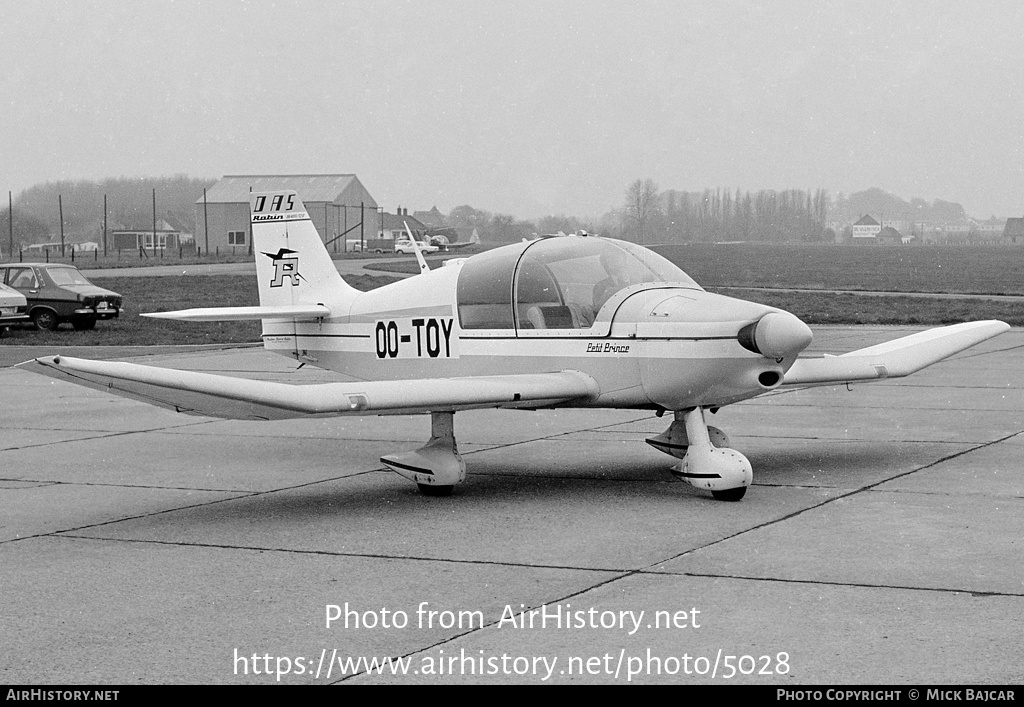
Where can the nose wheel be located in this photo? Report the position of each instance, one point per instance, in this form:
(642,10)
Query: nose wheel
(730,494)
(707,463)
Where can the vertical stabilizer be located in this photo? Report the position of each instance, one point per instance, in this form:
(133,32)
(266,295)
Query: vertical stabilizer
(293,266)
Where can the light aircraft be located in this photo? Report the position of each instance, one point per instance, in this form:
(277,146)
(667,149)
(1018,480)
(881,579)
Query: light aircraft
(568,321)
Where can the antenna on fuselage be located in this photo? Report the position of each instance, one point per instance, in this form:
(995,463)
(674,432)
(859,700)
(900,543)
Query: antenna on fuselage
(416,247)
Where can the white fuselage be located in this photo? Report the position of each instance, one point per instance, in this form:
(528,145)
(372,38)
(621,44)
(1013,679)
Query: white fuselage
(652,346)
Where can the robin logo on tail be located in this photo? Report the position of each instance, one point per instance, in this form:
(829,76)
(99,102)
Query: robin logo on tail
(286,265)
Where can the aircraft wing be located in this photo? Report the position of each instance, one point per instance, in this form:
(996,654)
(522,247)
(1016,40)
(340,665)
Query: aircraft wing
(893,359)
(245,399)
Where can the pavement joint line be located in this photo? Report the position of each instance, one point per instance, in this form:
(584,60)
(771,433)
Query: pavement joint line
(504,445)
(826,501)
(102,435)
(851,440)
(908,408)
(57,533)
(470,631)
(986,353)
(587,479)
(961,494)
(70,534)
(46,482)
(171,431)
(833,583)
(958,494)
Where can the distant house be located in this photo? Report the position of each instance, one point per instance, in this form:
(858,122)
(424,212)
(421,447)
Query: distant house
(392,226)
(164,237)
(431,219)
(1013,231)
(338,204)
(41,247)
(866,230)
(889,236)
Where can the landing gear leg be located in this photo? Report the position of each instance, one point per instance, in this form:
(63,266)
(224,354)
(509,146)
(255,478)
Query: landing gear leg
(675,442)
(723,471)
(436,466)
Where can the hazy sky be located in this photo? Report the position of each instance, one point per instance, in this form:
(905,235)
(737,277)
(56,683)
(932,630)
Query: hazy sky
(524,107)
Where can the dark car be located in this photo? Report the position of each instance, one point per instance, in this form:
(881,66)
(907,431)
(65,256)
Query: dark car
(60,293)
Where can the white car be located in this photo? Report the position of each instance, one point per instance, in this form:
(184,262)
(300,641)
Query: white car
(13,306)
(404,245)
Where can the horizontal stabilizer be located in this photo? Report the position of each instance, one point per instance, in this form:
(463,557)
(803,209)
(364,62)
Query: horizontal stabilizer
(244,399)
(893,359)
(230,314)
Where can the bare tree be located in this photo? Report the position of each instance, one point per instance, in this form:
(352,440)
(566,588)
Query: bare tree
(641,205)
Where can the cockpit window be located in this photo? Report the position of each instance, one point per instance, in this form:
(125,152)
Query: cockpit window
(485,289)
(562,283)
(555,283)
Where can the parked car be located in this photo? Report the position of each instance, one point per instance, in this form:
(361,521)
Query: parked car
(60,293)
(404,245)
(13,307)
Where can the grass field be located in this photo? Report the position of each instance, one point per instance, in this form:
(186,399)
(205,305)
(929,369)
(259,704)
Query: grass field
(163,294)
(979,270)
(950,269)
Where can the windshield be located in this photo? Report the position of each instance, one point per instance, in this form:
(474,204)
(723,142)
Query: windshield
(562,283)
(67,276)
(555,283)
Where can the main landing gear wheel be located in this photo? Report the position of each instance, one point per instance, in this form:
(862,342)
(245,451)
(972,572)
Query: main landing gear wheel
(436,466)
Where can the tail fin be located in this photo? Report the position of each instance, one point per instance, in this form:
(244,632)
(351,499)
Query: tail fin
(292,264)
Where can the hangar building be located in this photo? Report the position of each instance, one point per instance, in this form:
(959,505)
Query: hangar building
(337,203)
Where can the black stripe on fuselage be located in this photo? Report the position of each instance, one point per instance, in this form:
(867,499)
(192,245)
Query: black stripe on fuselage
(320,336)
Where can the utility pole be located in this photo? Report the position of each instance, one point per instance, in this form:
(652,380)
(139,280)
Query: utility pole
(10,223)
(60,211)
(154,220)
(104,225)
(206,223)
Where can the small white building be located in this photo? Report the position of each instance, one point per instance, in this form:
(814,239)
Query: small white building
(866,230)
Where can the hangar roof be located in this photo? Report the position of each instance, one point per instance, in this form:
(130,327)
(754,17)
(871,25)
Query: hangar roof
(234,188)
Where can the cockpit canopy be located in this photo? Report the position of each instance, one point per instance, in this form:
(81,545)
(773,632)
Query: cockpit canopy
(555,283)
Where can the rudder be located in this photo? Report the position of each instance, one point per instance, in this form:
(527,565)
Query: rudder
(292,264)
